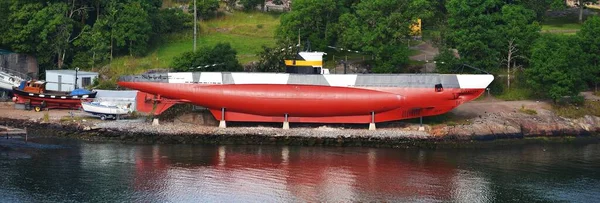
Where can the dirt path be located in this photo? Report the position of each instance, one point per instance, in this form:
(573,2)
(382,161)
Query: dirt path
(7,110)
(486,107)
(427,52)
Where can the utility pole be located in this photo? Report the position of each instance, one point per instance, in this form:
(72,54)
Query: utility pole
(195,22)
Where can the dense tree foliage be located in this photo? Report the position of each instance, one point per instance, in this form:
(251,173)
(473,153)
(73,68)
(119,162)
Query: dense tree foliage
(482,29)
(382,27)
(221,57)
(313,20)
(556,63)
(378,27)
(272,59)
(251,4)
(204,7)
(63,34)
(590,44)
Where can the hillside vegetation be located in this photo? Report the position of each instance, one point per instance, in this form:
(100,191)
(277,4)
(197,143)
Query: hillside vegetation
(247,32)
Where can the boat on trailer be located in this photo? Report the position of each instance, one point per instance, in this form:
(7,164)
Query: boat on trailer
(8,80)
(104,110)
(306,95)
(33,94)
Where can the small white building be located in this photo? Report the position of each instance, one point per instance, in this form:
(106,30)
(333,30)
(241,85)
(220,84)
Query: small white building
(64,80)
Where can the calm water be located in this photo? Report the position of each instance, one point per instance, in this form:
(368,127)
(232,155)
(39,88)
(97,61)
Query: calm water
(76,171)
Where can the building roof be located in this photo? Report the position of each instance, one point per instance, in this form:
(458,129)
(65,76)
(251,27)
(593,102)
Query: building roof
(3,51)
(71,72)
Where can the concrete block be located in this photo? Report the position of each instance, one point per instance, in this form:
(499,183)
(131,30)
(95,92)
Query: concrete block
(286,125)
(155,121)
(372,126)
(222,124)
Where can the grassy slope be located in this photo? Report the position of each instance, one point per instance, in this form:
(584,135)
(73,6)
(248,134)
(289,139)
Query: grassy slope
(561,25)
(246,32)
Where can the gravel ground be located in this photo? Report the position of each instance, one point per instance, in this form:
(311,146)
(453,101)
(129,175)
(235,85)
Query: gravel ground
(141,125)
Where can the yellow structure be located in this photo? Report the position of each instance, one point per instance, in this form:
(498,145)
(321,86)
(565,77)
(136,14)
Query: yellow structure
(415,28)
(592,5)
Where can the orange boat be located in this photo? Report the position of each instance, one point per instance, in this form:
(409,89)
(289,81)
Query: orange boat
(33,94)
(309,98)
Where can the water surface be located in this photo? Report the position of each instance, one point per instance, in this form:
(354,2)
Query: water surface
(109,172)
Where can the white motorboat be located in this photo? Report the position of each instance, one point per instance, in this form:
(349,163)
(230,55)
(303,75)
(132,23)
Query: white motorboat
(105,110)
(8,81)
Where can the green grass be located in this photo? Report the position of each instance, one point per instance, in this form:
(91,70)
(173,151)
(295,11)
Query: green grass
(527,111)
(247,32)
(247,47)
(574,111)
(561,25)
(515,94)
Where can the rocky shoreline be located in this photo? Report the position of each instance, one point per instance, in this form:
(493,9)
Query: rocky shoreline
(480,123)
(477,134)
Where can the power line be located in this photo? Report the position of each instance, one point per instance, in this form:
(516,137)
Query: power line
(206,66)
(342,49)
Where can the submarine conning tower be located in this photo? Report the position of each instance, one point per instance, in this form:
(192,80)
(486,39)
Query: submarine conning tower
(306,63)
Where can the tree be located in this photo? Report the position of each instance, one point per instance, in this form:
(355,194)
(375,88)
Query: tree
(473,31)
(382,27)
(556,66)
(204,7)
(481,30)
(518,29)
(313,20)
(590,44)
(446,61)
(230,4)
(251,4)
(95,45)
(221,57)
(539,7)
(172,20)
(273,59)
(561,4)
(581,4)
(45,30)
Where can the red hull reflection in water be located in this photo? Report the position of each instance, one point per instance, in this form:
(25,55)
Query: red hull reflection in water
(316,176)
(254,173)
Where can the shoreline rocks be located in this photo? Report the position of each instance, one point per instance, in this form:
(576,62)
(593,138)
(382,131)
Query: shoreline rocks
(477,134)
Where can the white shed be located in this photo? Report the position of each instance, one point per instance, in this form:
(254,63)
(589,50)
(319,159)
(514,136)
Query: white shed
(64,80)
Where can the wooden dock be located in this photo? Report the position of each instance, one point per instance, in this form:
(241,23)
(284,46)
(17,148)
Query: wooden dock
(10,132)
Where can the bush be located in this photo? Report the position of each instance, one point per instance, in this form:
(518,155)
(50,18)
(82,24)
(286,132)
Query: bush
(527,111)
(221,57)
(106,85)
(571,100)
(174,20)
(204,8)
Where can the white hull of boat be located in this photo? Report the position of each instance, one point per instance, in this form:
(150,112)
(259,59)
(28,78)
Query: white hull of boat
(97,108)
(8,81)
(5,86)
